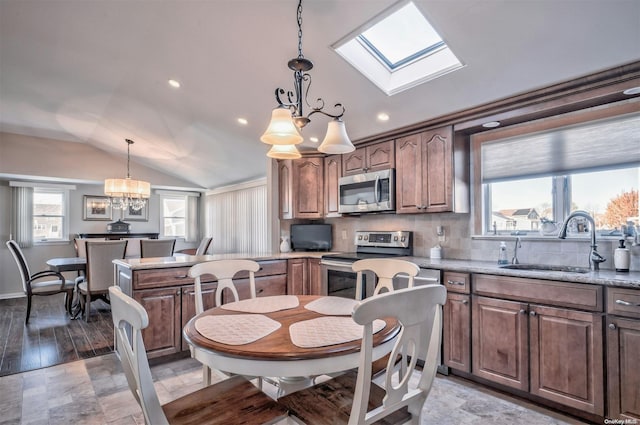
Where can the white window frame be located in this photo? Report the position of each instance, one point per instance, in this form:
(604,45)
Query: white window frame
(65,215)
(173,196)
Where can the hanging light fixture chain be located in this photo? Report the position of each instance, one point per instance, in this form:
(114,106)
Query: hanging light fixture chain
(129,143)
(300,55)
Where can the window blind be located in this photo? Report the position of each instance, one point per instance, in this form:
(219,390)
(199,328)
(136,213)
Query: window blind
(237,220)
(613,142)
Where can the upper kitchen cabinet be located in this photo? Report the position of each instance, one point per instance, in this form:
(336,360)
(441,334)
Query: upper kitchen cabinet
(379,156)
(332,174)
(301,187)
(432,172)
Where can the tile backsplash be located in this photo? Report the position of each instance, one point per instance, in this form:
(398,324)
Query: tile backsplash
(458,243)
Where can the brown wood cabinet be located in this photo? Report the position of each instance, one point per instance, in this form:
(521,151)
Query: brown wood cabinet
(456,333)
(431,173)
(560,349)
(303,276)
(332,174)
(168,295)
(500,342)
(375,157)
(315,277)
(301,187)
(623,353)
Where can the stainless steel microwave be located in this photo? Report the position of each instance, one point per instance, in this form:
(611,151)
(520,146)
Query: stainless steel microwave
(367,192)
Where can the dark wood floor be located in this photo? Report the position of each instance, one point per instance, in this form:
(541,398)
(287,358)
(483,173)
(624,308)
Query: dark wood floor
(51,337)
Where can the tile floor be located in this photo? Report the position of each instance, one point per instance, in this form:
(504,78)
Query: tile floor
(94,391)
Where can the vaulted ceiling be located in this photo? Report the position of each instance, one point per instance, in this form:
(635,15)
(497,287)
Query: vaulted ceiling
(96,72)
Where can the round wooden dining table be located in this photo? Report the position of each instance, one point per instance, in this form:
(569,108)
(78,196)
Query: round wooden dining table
(275,355)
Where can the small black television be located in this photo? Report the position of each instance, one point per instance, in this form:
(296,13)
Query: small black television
(311,237)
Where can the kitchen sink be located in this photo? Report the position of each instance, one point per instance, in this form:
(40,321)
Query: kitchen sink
(544,267)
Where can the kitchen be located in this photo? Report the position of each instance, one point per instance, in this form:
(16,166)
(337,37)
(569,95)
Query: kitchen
(463,237)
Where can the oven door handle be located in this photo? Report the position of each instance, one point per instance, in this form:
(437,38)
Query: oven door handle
(339,264)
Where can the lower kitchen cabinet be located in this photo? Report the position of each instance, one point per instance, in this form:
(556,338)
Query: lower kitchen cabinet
(549,351)
(500,342)
(566,357)
(171,307)
(303,276)
(456,332)
(623,353)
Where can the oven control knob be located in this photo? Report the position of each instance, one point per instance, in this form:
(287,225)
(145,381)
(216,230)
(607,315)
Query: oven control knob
(366,238)
(402,238)
(359,237)
(395,238)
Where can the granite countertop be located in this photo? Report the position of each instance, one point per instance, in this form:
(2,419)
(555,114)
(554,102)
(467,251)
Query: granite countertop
(184,260)
(602,277)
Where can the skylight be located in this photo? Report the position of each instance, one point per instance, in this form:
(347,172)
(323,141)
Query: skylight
(398,49)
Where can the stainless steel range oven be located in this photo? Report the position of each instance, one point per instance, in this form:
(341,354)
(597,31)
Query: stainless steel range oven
(338,279)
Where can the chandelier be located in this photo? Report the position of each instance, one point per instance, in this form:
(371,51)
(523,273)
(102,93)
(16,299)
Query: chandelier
(289,117)
(127,193)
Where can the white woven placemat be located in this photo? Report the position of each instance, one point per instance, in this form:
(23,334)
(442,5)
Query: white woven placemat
(236,329)
(264,304)
(332,306)
(329,330)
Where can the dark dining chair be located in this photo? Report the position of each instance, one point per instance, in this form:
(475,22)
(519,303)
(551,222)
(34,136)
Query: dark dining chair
(204,246)
(99,276)
(231,401)
(156,247)
(33,284)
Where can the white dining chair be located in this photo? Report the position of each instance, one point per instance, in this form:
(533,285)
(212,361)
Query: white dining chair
(351,398)
(232,401)
(385,270)
(224,271)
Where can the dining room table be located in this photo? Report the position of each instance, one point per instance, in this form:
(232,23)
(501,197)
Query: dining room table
(291,337)
(67,264)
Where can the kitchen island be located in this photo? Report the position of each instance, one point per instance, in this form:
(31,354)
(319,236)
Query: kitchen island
(162,285)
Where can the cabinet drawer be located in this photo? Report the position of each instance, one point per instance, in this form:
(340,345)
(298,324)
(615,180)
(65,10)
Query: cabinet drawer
(457,282)
(623,302)
(156,278)
(565,294)
(268,268)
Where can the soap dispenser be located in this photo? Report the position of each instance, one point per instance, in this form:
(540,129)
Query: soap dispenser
(622,257)
(502,254)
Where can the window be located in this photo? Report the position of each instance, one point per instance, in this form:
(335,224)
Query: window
(50,219)
(532,178)
(173,216)
(398,49)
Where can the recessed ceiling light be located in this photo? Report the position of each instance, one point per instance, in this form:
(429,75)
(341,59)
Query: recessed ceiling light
(491,124)
(174,83)
(243,121)
(633,90)
(382,116)
(313,139)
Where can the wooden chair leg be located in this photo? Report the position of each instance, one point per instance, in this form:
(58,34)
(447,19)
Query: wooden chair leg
(69,301)
(26,321)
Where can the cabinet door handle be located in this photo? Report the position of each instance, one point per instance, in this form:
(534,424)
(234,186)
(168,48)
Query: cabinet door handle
(465,302)
(178,293)
(612,326)
(627,303)
(523,311)
(455,282)
(260,291)
(182,277)
(533,313)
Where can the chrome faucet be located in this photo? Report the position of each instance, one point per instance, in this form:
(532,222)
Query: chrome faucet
(594,258)
(514,260)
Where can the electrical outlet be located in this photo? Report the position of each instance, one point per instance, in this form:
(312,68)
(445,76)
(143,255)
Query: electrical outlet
(344,235)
